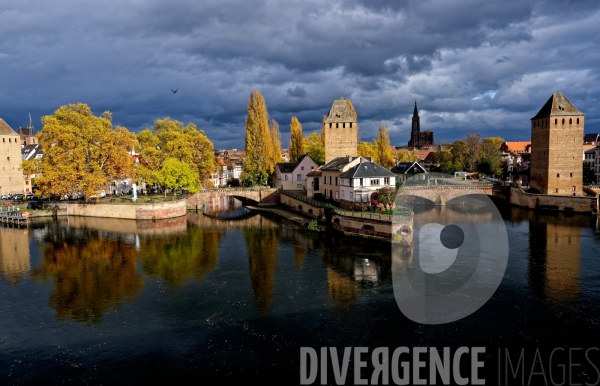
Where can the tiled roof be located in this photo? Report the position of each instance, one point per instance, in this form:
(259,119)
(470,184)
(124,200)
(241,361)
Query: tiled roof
(516,146)
(287,167)
(558,104)
(367,169)
(591,137)
(315,173)
(5,129)
(29,152)
(340,112)
(404,167)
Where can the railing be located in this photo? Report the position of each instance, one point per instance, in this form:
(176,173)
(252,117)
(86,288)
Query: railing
(376,215)
(303,198)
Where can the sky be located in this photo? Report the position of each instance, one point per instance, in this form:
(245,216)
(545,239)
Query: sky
(482,66)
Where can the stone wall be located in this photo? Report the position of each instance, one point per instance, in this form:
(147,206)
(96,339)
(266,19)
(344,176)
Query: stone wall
(545,201)
(159,210)
(340,141)
(374,228)
(11,178)
(301,207)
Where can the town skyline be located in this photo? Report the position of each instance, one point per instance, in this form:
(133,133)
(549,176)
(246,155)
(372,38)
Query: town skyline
(488,73)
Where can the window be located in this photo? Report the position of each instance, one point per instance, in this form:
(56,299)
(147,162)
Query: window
(8,158)
(563,121)
(299,177)
(301,167)
(9,140)
(3,139)
(365,197)
(337,125)
(557,175)
(375,181)
(336,180)
(330,180)
(285,177)
(577,120)
(330,125)
(358,197)
(368,227)
(299,186)
(350,124)
(570,174)
(26,182)
(361,181)
(343,125)
(574,188)
(351,194)
(556,190)
(556,121)
(386,181)
(336,196)
(570,121)
(342,193)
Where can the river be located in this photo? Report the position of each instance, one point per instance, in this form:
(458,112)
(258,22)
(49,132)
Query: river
(226,300)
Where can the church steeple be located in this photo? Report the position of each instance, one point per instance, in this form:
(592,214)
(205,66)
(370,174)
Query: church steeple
(416,112)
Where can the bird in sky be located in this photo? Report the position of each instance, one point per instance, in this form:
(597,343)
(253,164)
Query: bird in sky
(174,91)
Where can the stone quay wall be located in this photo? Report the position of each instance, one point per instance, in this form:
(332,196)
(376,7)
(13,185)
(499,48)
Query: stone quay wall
(374,228)
(561,203)
(145,211)
(301,206)
(263,196)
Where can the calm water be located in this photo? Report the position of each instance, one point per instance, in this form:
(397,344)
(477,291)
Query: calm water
(200,299)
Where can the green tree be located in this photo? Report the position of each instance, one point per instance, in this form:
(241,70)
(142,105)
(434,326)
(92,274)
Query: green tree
(315,147)
(171,139)
(82,152)
(383,151)
(296,140)
(473,153)
(176,174)
(258,164)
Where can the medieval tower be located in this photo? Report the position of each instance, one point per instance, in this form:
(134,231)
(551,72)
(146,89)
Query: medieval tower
(556,152)
(340,129)
(418,139)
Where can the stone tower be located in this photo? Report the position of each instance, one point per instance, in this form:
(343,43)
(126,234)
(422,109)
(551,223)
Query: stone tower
(341,131)
(556,148)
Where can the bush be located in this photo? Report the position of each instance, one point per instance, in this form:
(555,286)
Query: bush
(313,225)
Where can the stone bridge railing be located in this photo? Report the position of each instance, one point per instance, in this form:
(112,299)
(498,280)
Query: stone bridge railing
(440,194)
(262,196)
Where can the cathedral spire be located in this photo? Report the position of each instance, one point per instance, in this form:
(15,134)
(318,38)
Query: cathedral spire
(416,111)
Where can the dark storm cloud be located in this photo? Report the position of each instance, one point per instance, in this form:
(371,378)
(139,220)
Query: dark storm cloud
(472,65)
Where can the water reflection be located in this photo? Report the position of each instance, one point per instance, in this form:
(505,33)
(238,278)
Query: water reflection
(261,244)
(91,272)
(177,258)
(555,255)
(14,254)
(225,207)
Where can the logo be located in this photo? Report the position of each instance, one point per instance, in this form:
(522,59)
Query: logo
(450,248)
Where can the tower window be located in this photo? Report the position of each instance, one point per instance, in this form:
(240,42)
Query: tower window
(563,122)
(330,125)
(570,174)
(557,175)
(556,191)
(337,125)
(343,125)
(577,120)
(570,121)
(9,140)
(556,121)
(350,124)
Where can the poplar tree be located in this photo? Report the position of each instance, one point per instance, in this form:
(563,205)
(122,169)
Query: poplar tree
(296,140)
(315,147)
(258,141)
(383,151)
(275,149)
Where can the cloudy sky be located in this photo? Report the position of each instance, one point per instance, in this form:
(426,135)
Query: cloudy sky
(472,65)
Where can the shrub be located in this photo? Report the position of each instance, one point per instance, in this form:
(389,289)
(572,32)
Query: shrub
(313,225)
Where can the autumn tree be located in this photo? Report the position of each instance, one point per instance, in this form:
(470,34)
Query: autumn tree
(490,161)
(82,152)
(175,174)
(382,147)
(351,108)
(314,145)
(171,139)
(405,155)
(296,140)
(367,149)
(275,148)
(473,152)
(258,165)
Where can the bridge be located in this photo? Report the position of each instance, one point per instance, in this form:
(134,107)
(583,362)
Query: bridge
(441,194)
(250,196)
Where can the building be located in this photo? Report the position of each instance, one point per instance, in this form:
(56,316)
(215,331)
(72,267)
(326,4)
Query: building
(418,139)
(226,172)
(11,178)
(341,131)
(591,139)
(597,164)
(27,134)
(330,172)
(406,170)
(556,133)
(292,175)
(360,184)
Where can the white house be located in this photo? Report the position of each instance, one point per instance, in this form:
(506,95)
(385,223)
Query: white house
(361,183)
(406,170)
(292,175)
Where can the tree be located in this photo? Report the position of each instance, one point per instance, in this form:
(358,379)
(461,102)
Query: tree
(275,148)
(367,149)
(491,156)
(473,153)
(82,152)
(258,165)
(315,147)
(176,174)
(296,140)
(387,196)
(405,155)
(383,151)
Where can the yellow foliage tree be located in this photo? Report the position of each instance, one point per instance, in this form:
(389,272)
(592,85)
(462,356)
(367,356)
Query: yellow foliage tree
(314,145)
(382,147)
(367,149)
(258,165)
(405,155)
(275,148)
(82,152)
(296,140)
